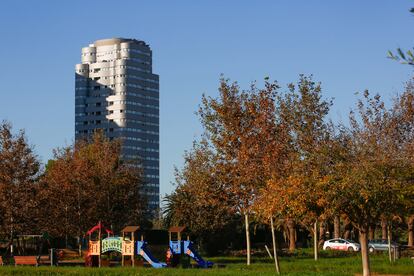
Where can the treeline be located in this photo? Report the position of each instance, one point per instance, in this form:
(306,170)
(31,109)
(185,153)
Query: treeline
(84,183)
(270,155)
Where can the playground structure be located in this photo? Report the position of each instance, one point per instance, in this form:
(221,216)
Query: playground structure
(98,246)
(142,249)
(128,242)
(179,247)
(128,247)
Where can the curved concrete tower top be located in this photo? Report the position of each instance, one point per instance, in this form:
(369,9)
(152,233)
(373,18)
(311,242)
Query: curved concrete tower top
(112,41)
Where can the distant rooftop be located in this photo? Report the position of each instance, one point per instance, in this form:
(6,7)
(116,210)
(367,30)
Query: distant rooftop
(111,41)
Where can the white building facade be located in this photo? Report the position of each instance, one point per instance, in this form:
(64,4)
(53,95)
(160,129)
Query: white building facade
(116,92)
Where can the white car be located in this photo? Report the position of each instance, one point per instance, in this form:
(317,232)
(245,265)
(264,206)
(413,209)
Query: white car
(341,244)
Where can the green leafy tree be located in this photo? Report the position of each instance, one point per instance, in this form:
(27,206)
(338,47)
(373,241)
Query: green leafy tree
(402,57)
(406,57)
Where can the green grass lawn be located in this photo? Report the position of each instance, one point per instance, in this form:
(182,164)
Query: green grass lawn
(329,264)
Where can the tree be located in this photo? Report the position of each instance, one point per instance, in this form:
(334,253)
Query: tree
(297,194)
(403,114)
(199,200)
(240,126)
(88,182)
(404,58)
(368,183)
(19,168)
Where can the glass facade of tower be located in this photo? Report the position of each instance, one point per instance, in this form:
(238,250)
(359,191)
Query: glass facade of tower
(116,92)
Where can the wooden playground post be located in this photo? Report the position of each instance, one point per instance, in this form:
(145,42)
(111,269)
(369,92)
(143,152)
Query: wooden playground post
(176,230)
(133,254)
(90,258)
(100,243)
(128,247)
(95,246)
(123,238)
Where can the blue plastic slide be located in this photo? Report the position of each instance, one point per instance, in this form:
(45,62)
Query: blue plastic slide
(190,251)
(143,250)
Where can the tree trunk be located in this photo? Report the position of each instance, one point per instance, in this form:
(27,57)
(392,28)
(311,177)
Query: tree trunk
(384,234)
(321,233)
(246,222)
(371,232)
(347,228)
(410,224)
(315,240)
(364,252)
(337,227)
(389,243)
(274,246)
(11,247)
(80,246)
(347,234)
(292,234)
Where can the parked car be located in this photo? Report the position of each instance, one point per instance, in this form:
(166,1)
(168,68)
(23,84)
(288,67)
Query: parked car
(341,244)
(381,245)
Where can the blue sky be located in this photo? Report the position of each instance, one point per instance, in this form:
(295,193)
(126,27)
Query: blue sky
(342,43)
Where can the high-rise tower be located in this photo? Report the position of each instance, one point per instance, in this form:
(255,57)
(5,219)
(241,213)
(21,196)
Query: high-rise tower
(117,93)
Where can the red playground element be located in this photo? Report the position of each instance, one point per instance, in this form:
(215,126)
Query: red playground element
(93,256)
(101,227)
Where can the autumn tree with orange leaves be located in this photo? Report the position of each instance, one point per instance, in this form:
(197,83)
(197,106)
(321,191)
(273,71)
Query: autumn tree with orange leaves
(403,114)
(200,201)
(372,176)
(275,155)
(242,130)
(19,169)
(88,182)
(297,195)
